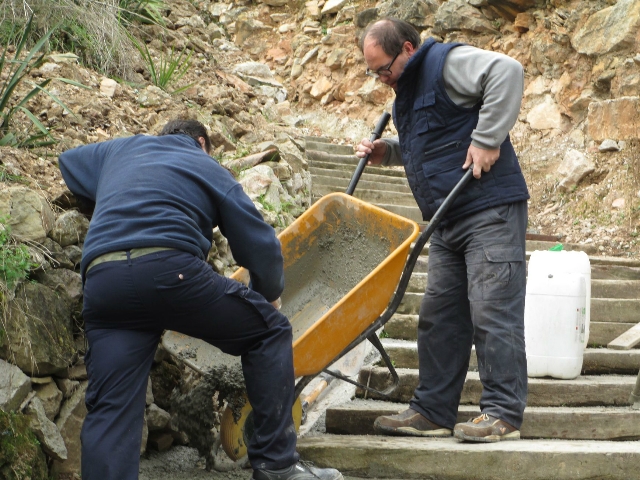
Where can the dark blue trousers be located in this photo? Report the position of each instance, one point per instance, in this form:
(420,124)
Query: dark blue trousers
(475,294)
(128,304)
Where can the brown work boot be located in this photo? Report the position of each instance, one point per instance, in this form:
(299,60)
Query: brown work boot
(485,428)
(409,423)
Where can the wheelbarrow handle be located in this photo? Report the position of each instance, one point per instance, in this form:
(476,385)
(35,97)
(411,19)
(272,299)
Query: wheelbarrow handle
(376,134)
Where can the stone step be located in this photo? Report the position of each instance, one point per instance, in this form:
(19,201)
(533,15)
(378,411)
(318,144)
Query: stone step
(373,196)
(612,310)
(332,148)
(335,175)
(579,423)
(405,326)
(385,175)
(614,272)
(608,288)
(365,183)
(447,459)
(596,361)
(333,157)
(619,310)
(412,213)
(314,138)
(584,391)
(616,289)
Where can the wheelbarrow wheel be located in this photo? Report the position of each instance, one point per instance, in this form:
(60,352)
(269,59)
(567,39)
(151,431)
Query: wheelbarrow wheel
(235,436)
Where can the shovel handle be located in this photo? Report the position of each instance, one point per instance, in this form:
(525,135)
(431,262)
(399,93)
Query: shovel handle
(376,134)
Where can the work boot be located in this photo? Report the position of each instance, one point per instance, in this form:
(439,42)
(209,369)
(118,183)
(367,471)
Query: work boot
(298,471)
(409,423)
(486,429)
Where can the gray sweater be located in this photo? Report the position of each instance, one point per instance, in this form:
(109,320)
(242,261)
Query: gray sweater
(471,74)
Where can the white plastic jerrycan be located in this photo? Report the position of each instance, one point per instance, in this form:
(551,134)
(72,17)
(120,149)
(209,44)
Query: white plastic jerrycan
(556,313)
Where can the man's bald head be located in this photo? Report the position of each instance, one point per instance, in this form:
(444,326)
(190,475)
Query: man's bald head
(391,34)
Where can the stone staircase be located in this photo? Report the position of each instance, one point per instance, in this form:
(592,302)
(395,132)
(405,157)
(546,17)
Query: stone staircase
(583,428)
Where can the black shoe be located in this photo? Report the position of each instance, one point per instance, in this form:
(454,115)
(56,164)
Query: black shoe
(298,471)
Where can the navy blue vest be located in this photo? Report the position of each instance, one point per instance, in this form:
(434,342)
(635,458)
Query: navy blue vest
(435,135)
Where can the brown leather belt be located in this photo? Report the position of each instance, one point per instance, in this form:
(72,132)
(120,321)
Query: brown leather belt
(122,255)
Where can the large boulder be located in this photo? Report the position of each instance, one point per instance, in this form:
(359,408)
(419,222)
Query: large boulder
(39,335)
(46,431)
(70,228)
(616,119)
(574,167)
(613,29)
(27,212)
(14,386)
(510,9)
(420,14)
(458,15)
(69,424)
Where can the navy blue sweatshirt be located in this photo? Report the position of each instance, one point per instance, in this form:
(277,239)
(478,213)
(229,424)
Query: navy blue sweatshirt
(167,192)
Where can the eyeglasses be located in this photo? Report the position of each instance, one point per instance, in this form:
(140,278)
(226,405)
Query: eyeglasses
(386,70)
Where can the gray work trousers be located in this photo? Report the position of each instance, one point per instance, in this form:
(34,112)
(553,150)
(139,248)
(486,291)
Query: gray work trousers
(475,295)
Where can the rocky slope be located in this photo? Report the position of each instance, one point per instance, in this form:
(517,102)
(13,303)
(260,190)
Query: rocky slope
(262,76)
(582,84)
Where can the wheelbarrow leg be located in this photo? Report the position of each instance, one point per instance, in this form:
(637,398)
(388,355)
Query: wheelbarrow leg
(634,399)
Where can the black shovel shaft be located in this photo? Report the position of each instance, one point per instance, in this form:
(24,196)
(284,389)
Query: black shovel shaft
(376,134)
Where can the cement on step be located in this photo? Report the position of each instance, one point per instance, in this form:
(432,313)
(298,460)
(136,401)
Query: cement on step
(447,459)
(580,423)
(603,390)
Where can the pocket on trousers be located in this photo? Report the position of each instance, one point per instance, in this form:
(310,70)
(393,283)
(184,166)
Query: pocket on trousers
(186,288)
(494,279)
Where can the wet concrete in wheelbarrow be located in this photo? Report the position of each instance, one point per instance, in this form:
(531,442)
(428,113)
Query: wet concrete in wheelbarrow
(330,268)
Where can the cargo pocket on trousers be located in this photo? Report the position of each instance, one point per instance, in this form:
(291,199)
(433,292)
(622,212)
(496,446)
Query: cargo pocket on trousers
(501,266)
(251,298)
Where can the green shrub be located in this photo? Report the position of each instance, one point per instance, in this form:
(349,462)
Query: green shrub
(16,71)
(20,453)
(144,11)
(169,69)
(15,261)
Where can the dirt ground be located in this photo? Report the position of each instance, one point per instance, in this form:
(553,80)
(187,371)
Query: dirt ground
(183,463)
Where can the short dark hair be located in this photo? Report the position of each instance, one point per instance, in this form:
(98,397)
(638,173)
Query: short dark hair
(191,128)
(391,33)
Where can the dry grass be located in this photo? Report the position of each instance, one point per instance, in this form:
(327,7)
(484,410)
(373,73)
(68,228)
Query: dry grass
(106,45)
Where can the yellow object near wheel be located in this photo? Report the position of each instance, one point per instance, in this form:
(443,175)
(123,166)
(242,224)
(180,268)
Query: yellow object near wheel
(235,436)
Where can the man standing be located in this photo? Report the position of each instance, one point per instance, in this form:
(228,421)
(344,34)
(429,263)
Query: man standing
(454,107)
(157,200)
